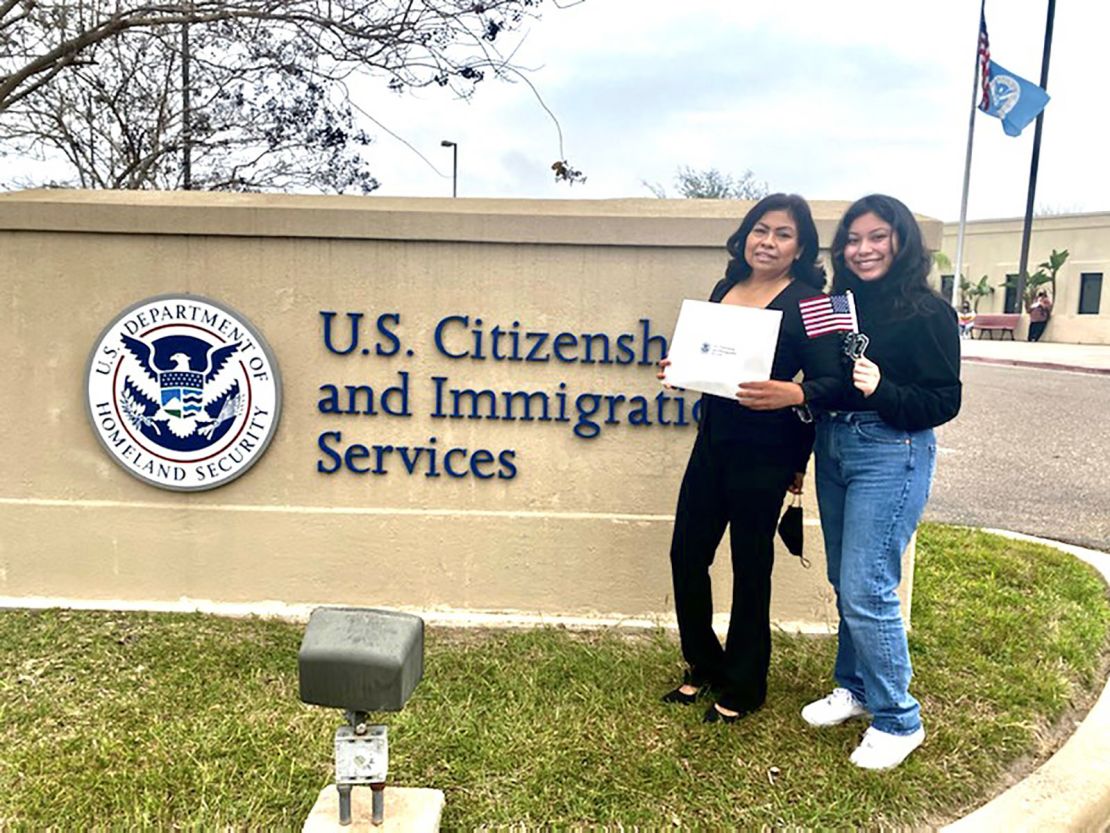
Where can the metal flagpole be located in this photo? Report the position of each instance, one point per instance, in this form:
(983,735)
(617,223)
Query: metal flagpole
(979,47)
(1027,229)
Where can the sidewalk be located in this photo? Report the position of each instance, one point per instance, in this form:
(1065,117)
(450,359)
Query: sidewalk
(1084,358)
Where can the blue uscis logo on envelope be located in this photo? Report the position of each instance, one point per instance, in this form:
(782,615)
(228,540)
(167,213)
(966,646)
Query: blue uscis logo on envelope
(183,392)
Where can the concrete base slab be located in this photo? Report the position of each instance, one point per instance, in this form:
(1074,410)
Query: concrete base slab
(414,809)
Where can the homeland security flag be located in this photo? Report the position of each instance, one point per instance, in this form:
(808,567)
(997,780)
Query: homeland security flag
(1011,98)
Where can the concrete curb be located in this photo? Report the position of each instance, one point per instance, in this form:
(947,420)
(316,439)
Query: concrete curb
(1071,790)
(441,617)
(1072,368)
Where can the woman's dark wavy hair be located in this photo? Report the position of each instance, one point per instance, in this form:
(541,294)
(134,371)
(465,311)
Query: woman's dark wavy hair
(906,284)
(807,268)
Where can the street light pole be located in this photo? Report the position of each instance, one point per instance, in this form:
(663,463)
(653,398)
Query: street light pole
(447,143)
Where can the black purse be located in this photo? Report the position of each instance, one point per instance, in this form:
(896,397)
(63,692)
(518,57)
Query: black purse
(790,529)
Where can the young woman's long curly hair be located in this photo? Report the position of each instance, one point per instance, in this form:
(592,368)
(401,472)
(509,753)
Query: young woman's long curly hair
(906,284)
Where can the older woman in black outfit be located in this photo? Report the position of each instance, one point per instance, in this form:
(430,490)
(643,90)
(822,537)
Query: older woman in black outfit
(748,453)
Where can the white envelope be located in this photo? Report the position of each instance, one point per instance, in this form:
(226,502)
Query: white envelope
(717,346)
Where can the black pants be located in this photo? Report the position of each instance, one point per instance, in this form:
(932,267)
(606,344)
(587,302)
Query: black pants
(728,484)
(1036,329)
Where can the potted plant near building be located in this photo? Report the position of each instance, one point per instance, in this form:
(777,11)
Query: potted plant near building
(975,291)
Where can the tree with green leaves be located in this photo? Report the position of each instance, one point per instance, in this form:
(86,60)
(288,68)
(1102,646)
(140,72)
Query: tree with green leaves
(711,184)
(1045,274)
(975,291)
(1052,266)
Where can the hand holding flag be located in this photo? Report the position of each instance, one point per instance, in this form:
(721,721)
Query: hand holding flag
(865,375)
(825,314)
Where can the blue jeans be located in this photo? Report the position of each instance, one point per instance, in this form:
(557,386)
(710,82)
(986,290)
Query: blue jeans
(872,484)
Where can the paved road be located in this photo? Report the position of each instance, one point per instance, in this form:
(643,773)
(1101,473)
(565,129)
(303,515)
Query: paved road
(1030,452)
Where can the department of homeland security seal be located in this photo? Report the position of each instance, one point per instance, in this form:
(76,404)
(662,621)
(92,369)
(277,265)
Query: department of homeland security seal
(183,392)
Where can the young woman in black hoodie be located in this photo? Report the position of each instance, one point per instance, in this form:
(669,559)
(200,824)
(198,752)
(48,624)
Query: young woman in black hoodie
(875,455)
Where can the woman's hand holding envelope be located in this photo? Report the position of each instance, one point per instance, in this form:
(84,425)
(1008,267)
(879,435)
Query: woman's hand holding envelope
(770,395)
(664,363)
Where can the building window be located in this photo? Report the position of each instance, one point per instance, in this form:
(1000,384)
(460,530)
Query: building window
(1090,292)
(947,285)
(1010,304)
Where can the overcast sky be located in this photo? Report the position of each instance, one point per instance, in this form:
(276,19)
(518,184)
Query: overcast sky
(829,99)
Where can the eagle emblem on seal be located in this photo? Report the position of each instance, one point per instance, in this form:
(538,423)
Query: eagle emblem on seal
(182,384)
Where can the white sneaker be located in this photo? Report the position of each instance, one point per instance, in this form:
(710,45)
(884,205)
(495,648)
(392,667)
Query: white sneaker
(833,710)
(882,750)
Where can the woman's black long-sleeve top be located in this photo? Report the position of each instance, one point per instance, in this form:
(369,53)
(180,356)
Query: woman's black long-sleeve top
(918,355)
(778,435)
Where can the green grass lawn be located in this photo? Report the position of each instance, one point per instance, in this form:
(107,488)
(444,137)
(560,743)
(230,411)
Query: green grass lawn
(153,720)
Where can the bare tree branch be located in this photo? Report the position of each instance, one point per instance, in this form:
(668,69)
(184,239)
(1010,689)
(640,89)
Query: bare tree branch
(98,82)
(44,37)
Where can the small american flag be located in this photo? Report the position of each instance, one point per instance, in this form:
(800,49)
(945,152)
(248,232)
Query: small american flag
(828,314)
(984,63)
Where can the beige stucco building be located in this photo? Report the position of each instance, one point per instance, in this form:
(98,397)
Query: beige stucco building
(569,515)
(1081,313)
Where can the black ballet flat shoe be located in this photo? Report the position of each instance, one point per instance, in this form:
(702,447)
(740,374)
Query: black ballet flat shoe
(701,683)
(715,716)
(679,696)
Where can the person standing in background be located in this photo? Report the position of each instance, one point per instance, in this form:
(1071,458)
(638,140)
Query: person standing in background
(1039,312)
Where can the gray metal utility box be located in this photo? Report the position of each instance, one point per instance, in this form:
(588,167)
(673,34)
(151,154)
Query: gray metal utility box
(360,659)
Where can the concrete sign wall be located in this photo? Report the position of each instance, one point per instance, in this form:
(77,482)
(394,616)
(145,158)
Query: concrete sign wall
(469,415)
